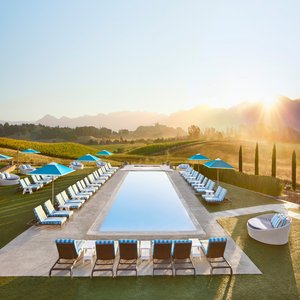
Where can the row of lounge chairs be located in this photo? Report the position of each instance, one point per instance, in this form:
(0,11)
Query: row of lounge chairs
(167,255)
(204,186)
(75,197)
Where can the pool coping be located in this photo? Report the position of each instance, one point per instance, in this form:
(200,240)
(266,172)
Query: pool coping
(94,232)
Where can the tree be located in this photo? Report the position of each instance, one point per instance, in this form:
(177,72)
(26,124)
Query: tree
(241,160)
(294,166)
(256,160)
(194,132)
(274,161)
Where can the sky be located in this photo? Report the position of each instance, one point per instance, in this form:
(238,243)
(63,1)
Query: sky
(73,58)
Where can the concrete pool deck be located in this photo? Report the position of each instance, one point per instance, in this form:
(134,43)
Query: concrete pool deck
(33,252)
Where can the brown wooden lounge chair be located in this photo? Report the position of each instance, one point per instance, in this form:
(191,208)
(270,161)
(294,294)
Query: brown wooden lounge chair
(162,256)
(214,249)
(128,250)
(105,257)
(69,251)
(182,256)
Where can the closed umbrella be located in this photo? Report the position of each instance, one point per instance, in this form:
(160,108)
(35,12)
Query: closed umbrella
(218,164)
(53,169)
(198,157)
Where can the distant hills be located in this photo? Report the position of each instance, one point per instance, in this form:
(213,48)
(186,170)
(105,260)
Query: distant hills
(286,114)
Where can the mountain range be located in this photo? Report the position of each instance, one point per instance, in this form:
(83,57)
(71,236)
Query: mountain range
(285,113)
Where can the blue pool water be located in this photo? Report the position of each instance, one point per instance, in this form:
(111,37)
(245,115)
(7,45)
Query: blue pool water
(147,201)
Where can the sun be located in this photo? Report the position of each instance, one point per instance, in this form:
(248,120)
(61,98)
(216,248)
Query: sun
(269,102)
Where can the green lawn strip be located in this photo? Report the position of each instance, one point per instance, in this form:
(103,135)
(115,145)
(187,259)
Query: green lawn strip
(280,264)
(16,209)
(238,198)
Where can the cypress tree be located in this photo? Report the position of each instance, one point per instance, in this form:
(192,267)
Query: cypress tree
(294,182)
(256,167)
(241,160)
(274,161)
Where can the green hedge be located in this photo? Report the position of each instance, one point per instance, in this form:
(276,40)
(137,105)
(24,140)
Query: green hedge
(263,184)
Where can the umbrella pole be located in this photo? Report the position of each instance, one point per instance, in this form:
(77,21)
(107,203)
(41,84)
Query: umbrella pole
(52,190)
(217,177)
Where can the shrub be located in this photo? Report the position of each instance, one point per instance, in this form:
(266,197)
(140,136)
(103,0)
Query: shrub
(263,184)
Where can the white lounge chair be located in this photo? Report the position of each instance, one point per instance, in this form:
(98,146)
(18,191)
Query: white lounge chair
(51,212)
(209,186)
(218,197)
(44,220)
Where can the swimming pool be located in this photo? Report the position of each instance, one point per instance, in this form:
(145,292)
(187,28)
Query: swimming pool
(147,202)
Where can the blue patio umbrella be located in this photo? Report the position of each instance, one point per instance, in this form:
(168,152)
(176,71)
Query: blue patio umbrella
(5,157)
(198,157)
(104,153)
(218,164)
(88,158)
(52,169)
(30,151)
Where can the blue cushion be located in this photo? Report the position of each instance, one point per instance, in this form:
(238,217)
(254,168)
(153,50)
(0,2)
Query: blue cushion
(50,222)
(128,241)
(105,242)
(217,239)
(64,241)
(162,242)
(182,241)
(276,221)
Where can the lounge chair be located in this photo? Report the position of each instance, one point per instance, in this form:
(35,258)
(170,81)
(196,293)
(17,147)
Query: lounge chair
(85,186)
(34,185)
(51,212)
(108,170)
(69,251)
(83,189)
(67,204)
(102,173)
(193,173)
(210,194)
(198,180)
(214,249)
(110,167)
(186,171)
(89,184)
(182,256)
(162,255)
(199,183)
(38,181)
(77,196)
(217,198)
(44,220)
(73,200)
(209,186)
(273,229)
(128,250)
(96,179)
(28,188)
(192,177)
(105,257)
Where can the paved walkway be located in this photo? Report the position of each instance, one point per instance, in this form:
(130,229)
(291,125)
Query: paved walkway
(33,252)
(283,208)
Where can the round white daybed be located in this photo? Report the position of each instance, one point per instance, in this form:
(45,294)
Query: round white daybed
(261,229)
(8,179)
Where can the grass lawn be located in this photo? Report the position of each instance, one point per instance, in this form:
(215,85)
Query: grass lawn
(16,210)
(280,279)
(239,198)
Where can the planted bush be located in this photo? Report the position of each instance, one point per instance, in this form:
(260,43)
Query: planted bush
(263,184)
